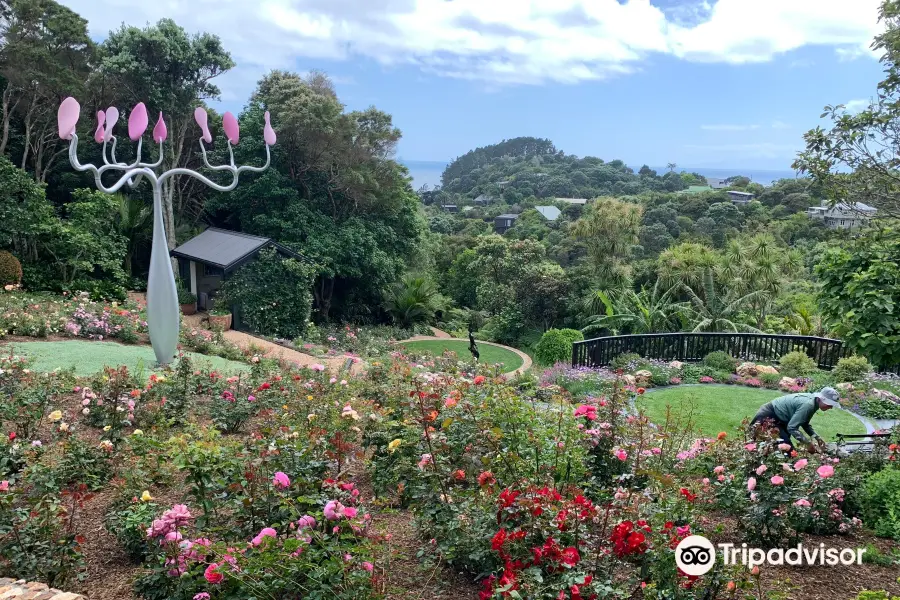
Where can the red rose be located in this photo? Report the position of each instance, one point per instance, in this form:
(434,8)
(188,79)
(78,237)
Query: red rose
(570,556)
(212,575)
(459,475)
(479,379)
(12,435)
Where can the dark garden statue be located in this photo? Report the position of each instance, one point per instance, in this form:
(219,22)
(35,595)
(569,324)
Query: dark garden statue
(163,314)
(473,347)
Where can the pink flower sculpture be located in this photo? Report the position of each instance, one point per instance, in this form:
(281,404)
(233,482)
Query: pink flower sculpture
(160,132)
(268,132)
(112,117)
(67,117)
(100,133)
(137,122)
(202,120)
(230,125)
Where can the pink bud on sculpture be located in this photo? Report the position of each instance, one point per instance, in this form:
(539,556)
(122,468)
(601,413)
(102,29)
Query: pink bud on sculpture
(137,122)
(67,117)
(230,125)
(201,118)
(101,119)
(268,132)
(160,133)
(112,117)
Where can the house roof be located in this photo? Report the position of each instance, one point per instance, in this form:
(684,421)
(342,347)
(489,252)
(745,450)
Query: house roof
(858,206)
(716,183)
(482,198)
(507,216)
(736,193)
(551,213)
(572,200)
(225,249)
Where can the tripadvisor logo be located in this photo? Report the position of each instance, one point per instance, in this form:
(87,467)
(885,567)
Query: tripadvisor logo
(695,555)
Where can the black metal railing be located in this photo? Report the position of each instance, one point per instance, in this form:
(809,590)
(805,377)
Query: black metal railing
(692,347)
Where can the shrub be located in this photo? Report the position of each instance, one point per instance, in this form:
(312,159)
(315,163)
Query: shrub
(852,368)
(881,503)
(129,522)
(273,294)
(556,345)
(185,296)
(873,595)
(720,361)
(10,269)
(629,361)
(796,364)
(769,380)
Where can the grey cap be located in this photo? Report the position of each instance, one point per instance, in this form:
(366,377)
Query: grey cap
(829,396)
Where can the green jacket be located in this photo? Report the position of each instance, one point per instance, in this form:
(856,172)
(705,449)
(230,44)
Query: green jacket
(797,411)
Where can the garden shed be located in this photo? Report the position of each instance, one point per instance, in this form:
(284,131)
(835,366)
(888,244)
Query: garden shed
(205,261)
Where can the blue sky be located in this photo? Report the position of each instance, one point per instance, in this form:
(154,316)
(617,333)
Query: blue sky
(727,83)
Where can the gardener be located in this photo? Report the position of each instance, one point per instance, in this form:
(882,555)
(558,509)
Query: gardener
(794,412)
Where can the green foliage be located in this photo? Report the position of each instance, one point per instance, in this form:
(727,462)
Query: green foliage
(881,503)
(184,295)
(84,464)
(273,294)
(875,595)
(628,361)
(796,364)
(720,361)
(556,345)
(128,521)
(861,291)
(413,300)
(851,368)
(10,269)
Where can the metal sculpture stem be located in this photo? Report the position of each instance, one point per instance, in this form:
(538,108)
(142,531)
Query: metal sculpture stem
(163,311)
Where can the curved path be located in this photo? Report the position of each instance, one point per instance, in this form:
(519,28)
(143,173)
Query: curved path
(526,360)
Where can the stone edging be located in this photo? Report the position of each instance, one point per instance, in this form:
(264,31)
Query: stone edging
(526,360)
(22,590)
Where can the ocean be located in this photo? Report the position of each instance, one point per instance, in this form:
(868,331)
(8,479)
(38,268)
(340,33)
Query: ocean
(426,172)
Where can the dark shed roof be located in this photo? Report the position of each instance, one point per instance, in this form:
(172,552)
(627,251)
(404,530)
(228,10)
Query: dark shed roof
(225,249)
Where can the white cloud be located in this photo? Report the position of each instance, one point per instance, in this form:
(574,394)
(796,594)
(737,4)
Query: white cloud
(728,127)
(855,106)
(498,41)
(780,125)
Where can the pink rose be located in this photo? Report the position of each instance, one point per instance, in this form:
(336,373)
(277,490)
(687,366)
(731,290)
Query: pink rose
(349,512)
(802,502)
(751,484)
(777,480)
(621,455)
(266,532)
(825,471)
(281,480)
(761,469)
(750,447)
(719,469)
(800,464)
(368,566)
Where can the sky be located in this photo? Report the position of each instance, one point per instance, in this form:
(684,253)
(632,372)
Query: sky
(726,83)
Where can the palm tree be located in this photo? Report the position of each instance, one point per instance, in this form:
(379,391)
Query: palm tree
(713,309)
(132,222)
(414,300)
(647,311)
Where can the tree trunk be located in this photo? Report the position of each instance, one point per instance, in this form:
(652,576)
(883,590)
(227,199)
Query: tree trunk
(7,115)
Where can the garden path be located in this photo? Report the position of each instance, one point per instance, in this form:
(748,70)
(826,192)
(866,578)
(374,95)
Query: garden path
(440,334)
(526,360)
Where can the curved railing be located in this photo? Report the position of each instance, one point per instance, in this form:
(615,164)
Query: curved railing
(692,347)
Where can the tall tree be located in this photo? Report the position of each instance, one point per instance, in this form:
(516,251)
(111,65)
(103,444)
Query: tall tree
(171,72)
(610,229)
(45,56)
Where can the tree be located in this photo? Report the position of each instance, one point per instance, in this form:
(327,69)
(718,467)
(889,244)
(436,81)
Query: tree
(647,311)
(715,308)
(671,167)
(685,264)
(133,223)
(610,228)
(542,294)
(860,293)
(26,217)
(333,192)
(171,72)
(857,159)
(45,56)
(413,300)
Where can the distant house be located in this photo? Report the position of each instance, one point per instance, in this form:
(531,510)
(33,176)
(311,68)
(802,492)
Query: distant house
(482,200)
(504,222)
(843,215)
(715,183)
(206,261)
(740,197)
(450,208)
(581,201)
(551,213)
(502,185)
(467,208)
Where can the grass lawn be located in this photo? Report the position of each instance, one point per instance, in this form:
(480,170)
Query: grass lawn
(90,357)
(722,408)
(489,354)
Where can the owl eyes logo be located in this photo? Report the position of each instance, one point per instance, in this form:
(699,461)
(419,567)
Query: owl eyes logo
(695,555)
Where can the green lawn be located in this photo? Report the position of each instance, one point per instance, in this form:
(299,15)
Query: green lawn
(722,408)
(90,357)
(489,354)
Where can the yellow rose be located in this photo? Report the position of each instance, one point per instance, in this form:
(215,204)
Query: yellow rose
(146,497)
(394,445)
(56,415)
(107,428)
(138,432)
(309,397)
